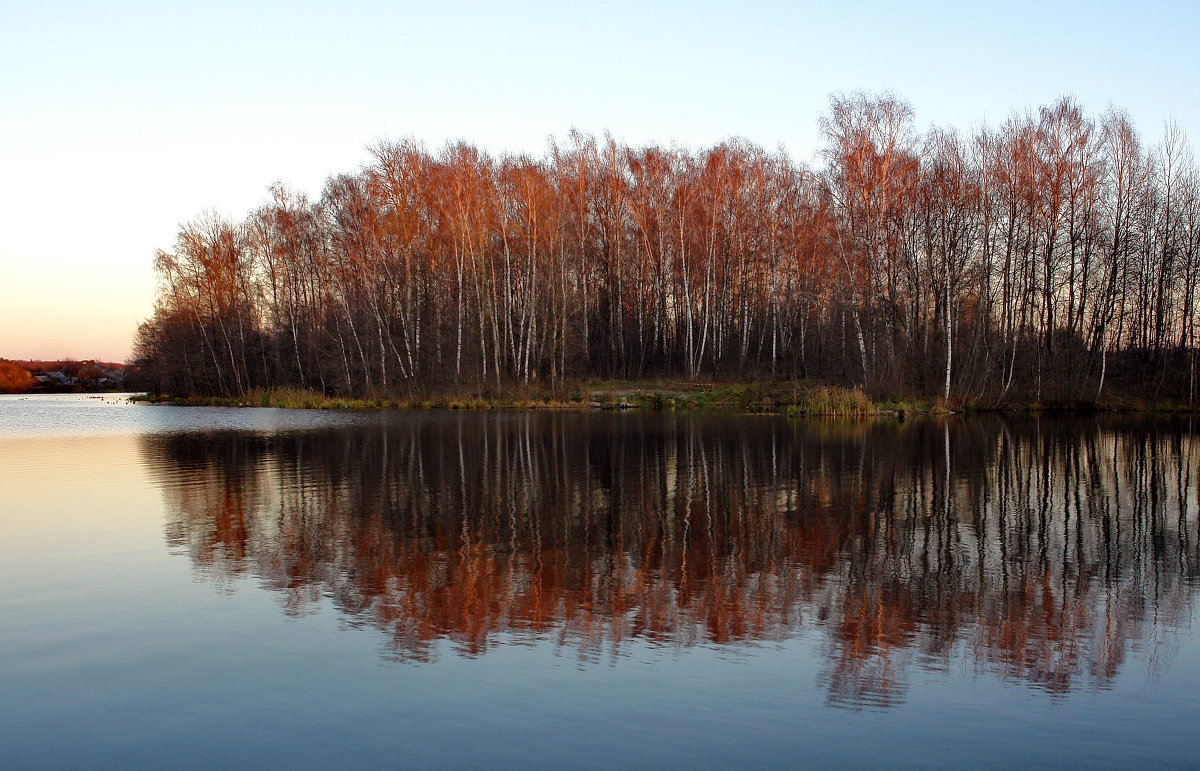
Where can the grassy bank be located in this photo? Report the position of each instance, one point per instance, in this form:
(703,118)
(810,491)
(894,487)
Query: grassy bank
(777,397)
(789,397)
(793,398)
(294,398)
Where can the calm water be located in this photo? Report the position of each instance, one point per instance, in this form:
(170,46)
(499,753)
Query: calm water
(199,587)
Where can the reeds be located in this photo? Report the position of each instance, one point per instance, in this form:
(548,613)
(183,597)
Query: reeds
(831,400)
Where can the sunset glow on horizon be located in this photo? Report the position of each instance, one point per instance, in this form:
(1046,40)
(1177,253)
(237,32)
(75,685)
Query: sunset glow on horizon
(125,121)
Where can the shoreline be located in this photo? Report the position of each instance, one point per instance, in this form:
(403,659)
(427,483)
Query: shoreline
(794,399)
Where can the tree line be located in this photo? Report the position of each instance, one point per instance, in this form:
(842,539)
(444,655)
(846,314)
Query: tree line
(34,376)
(1039,260)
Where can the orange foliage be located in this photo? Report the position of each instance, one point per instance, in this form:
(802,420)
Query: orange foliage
(14,378)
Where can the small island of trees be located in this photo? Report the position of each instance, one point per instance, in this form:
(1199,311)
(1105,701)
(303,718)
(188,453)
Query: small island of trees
(1052,259)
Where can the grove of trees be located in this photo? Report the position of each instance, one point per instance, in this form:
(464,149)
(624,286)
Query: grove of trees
(1041,260)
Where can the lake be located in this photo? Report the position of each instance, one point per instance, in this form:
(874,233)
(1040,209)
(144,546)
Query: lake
(198,587)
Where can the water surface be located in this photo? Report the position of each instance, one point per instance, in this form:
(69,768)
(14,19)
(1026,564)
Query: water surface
(197,586)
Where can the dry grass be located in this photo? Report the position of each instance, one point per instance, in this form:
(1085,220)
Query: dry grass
(834,401)
(794,398)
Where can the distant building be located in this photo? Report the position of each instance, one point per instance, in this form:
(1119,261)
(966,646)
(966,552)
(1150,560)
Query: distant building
(60,378)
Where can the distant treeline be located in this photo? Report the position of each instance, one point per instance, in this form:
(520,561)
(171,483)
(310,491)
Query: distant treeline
(19,377)
(1035,261)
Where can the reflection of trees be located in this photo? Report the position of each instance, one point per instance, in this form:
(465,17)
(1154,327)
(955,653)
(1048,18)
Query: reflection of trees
(1040,551)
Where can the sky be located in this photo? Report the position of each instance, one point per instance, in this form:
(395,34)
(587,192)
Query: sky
(121,120)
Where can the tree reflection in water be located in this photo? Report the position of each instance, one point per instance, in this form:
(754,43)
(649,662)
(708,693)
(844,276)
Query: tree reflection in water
(1043,551)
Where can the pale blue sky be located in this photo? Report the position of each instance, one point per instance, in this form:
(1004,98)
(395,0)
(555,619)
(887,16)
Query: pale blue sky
(119,120)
